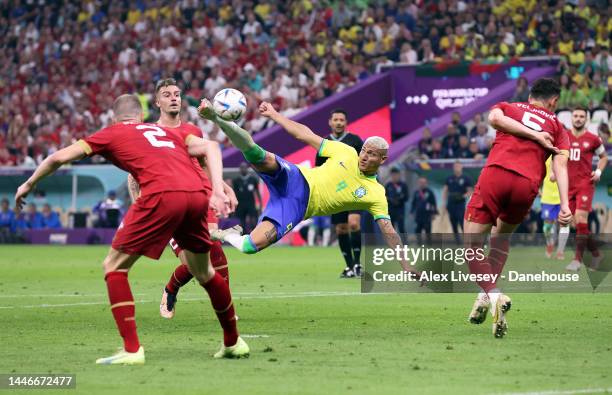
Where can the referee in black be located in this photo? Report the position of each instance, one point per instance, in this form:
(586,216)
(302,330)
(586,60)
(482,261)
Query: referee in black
(456,191)
(348,223)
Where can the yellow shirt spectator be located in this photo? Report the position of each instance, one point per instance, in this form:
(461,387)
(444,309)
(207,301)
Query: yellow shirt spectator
(167,12)
(83,16)
(225,13)
(133,16)
(566,47)
(152,13)
(321,49)
(263,10)
(576,58)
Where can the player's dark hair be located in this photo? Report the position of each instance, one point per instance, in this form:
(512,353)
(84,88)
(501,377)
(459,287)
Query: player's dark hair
(581,108)
(337,111)
(545,88)
(164,82)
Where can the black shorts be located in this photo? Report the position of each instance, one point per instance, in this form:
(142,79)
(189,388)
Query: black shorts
(245,211)
(342,218)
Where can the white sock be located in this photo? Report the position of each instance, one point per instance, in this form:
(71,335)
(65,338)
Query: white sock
(493,296)
(563,236)
(553,235)
(236,240)
(326,234)
(312,235)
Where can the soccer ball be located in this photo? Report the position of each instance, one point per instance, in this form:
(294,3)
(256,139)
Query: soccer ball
(229,104)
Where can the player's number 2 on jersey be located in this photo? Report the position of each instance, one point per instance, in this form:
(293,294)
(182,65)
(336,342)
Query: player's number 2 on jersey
(533,121)
(152,133)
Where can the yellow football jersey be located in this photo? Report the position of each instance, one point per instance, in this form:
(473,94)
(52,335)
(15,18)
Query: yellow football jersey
(550,192)
(338,185)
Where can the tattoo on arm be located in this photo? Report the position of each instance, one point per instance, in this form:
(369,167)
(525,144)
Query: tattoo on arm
(389,233)
(271,235)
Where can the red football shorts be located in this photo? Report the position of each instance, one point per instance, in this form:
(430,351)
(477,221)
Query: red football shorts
(581,197)
(211,218)
(502,194)
(154,219)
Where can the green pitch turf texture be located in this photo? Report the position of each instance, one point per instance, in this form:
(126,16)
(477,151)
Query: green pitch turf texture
(309,332)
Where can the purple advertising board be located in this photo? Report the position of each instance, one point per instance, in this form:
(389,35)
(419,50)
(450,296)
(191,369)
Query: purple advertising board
(415,101)
(420,100)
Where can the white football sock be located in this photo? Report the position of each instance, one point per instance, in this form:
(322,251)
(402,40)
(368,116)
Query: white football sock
(493,296)
(563,236)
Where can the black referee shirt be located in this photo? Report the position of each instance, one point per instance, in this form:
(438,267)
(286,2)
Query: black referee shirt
(347,138)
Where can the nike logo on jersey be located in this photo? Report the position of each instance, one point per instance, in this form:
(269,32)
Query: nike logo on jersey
(342,164)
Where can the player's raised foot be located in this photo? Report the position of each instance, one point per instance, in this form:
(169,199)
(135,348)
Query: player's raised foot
(549,251)
(574,266)
(357,270)
(167,304)
(206,109)
(595,261)
(219,234)
(560,256)
(500,326)
(123,357)
(238,350)
(480,309)
(347,273)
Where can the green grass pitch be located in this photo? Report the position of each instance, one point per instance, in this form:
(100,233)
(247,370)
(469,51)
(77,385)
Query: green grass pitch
(309,332)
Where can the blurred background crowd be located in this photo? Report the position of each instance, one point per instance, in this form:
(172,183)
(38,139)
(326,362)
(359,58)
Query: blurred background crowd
(64,62)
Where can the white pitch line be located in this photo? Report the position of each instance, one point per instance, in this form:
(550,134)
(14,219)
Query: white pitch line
(83,295)
(273,296)
(58,295)
(564,392)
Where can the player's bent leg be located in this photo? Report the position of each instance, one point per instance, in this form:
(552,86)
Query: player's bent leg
(584,240)
(118,261)
(221,300)
(499,249)
(354,223)
(116,267)
(217,256)
(474,238)
(344,243)
(268,165)
(262,160)
(178,278)
(548,229)
(264,235)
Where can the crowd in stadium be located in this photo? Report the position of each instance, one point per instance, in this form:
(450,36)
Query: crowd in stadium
(67,61)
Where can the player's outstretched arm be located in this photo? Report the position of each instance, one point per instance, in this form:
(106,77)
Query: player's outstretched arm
(47,167)
(133,188)
(199,147)
(601,166)
(559,165)
(499,121)
(393,240)
(233,200)
(296,129)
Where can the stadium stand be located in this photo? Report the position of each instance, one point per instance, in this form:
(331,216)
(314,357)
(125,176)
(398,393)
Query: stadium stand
(67,60)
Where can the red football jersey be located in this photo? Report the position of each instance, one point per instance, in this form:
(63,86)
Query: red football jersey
(185,129)
(581,153)
(156,157)
(526,157)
